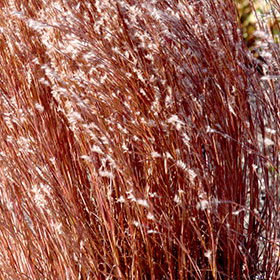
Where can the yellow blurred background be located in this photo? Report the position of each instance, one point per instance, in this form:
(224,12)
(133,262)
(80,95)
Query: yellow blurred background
(248,18)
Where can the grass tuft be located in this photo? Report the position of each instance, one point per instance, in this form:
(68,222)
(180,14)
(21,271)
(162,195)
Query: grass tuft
(139,140)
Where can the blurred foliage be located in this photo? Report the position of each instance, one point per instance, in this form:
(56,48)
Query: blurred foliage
(248,20)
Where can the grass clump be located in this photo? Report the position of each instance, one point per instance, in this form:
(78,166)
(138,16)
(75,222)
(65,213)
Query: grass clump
(139,140)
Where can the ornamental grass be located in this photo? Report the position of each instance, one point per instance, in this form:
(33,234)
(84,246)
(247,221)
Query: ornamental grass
(139,140)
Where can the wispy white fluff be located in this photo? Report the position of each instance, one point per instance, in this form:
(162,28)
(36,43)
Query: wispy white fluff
(270,130)
(155,154)
(192,175)
(174,119)
(142,202)
(150,216)
(208,254)
(96,149)
(236,213)
(36,25)
(86,157)
(106,174)
(137,224)
(39,107)
(130,196)
(202,205)
(181,164)
(39,197)
(121,199)
(268,142)
(177,199)
(150,231)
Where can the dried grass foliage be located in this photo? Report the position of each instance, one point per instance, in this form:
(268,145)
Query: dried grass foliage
(138,141)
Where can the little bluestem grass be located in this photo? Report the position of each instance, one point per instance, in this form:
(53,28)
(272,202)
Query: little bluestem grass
(139,140)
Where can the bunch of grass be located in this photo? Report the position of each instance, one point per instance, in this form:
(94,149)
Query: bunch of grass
(138,141)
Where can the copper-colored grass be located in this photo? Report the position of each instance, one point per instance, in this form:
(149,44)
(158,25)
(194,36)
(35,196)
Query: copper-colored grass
(138,141)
